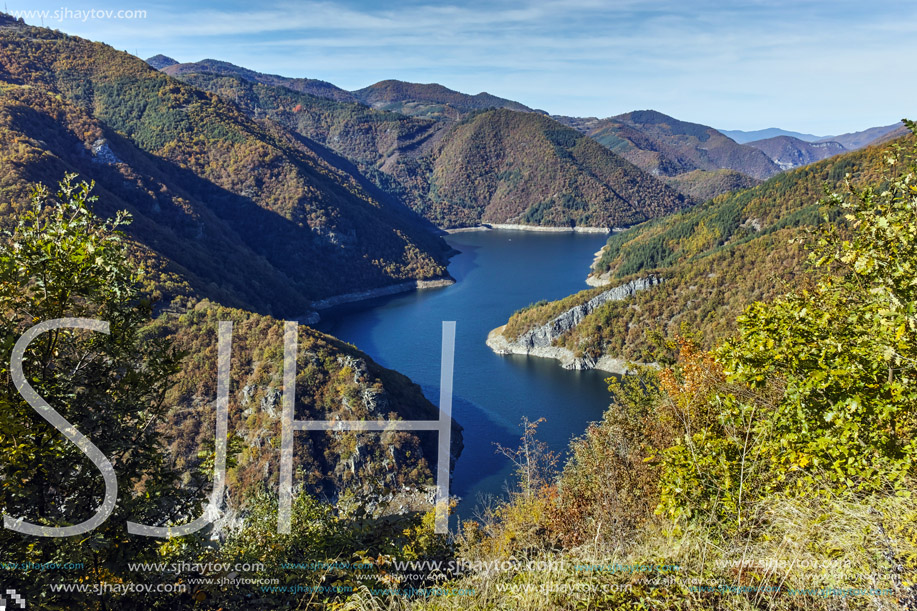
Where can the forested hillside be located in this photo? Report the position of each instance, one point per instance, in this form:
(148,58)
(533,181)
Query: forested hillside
(430,100)
(687,156)
(145,390)
(788,152)
(759,452)
(504,166)
(715,259)
(248,213)
(496,166)
(775,471)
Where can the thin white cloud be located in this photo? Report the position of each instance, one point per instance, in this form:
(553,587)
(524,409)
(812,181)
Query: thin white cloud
(742,64)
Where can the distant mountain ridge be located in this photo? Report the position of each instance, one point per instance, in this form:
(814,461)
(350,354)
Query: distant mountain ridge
(744,137)
(666,153)
(857,140)
(494,165)
(696,160)
(430,100)
(850,141)
(789,152)
(672,149)
(314,87)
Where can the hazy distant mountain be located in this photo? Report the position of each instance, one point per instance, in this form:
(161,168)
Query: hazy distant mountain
(160,61)
(744,137)
(866,137)
(896,133)
(315,87)
(789,152)
(850,142)
(429,100)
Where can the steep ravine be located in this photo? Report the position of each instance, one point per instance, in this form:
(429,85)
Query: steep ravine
(540,340)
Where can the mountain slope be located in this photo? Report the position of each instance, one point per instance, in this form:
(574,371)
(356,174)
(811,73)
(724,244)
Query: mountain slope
(669,148)
(314,87)
(856,140)
(539,172)
(788,152)
(342,384)
(364,135)
(429,100)
(713,260)
(701,185)
(680,146)
(226,210)
(894,134)
(249,213)
(497,166)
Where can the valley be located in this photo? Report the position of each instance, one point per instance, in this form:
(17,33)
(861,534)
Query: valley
(676,345)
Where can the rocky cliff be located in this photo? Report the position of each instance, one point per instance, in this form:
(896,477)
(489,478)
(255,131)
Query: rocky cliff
(540,340)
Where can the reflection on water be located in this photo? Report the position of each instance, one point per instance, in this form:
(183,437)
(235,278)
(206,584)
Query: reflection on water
(497,272)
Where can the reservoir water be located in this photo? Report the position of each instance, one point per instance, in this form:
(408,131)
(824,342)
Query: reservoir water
(496,273)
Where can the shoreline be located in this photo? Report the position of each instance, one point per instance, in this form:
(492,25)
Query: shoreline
(497,342)
(540,340)
(536,228)
(383,291)
(314,317)
(595,281)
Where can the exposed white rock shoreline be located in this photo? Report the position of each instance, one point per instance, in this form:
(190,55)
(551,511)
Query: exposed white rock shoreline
(499,344)
(602,280)
(311,318)
(540,340)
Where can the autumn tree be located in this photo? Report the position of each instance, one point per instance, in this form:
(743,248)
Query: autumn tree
(59,262)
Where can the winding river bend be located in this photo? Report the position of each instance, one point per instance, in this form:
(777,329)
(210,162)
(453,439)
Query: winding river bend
(497,272)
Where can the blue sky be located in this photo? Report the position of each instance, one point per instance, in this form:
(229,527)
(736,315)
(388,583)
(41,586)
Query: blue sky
(822,67)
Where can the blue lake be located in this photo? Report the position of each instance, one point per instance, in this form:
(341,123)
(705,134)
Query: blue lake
(497,273)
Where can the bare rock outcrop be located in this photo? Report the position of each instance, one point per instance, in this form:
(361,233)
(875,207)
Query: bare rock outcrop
(540,340)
